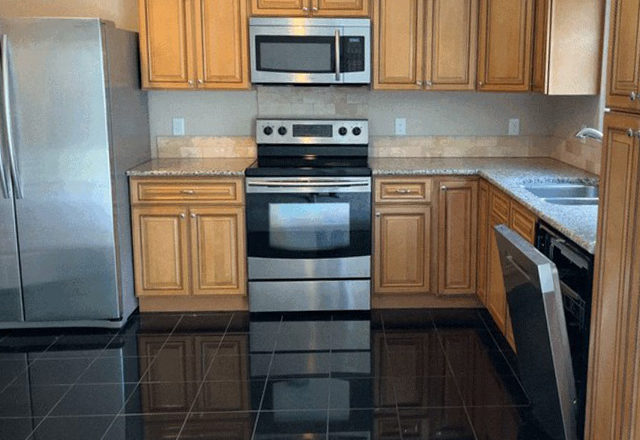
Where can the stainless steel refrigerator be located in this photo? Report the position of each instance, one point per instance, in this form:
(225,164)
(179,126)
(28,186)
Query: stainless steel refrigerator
(73,120)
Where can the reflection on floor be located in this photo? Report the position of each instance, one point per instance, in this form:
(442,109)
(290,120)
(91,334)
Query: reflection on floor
(410,374)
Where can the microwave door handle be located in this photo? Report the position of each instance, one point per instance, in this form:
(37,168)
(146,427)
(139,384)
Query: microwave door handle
(337,44)
(4,59)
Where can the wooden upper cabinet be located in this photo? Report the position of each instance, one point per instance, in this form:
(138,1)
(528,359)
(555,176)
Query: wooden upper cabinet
(567,49)
(222,44)
(160,250)
(315,8)
(402,249)
(624,56)
(398,44)
(166,45)
(505,45)
(290,8)
(340,8)
(187,44)
(458,232)
(217,243)
(613,360)
(451,44)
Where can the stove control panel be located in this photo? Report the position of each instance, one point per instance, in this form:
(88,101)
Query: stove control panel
(312,132)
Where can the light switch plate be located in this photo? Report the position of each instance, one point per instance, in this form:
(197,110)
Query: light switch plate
(514,127)
(401,126)
(178,126)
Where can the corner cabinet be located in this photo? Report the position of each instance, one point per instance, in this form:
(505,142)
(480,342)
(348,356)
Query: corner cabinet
(188,242)
(194,44)
(425,44)
(457,236)
(311,8)
(505,45)
(402,236)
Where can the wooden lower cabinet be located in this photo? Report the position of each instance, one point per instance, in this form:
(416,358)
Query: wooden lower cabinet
(188,243)
(500,209)
(457,236)
(402,249)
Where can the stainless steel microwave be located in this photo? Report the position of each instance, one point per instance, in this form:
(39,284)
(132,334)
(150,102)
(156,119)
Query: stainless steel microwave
(310,51)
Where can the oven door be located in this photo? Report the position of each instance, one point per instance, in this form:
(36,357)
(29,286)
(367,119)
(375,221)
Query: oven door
(309,228)
(304,54)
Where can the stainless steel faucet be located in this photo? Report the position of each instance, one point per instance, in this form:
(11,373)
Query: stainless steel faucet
(587,132)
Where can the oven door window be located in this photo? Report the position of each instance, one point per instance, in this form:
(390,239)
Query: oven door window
(295,54)
(308,226)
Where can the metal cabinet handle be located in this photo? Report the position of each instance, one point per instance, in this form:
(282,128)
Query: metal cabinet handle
(188,191)
(183,215)
(419,83)
(193,215)
(305,9)
(630,132)
(200,81)
(4,55)
(633,96)
(428,83)
(404,191)
(191,83)
(443,188)
(378,215)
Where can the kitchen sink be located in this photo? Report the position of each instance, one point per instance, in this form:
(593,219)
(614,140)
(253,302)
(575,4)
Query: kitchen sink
(564,190)
(566,193)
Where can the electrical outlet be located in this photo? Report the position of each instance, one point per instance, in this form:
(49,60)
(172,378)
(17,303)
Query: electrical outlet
(514,127)
(401,126)
(178,126)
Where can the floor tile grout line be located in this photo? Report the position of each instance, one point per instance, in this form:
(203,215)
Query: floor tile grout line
(29,364)
(455,381)
(393,382)
(137,384)
(504,356)
(266,381)
(204,375)
(115,335)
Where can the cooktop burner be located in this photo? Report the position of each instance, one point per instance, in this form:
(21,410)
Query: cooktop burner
(311,148)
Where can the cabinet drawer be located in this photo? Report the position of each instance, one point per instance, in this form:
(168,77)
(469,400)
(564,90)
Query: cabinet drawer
(186,190)
(499,206)
(523,222)
(403,190)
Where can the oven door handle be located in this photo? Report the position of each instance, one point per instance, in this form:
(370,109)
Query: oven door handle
(308,185)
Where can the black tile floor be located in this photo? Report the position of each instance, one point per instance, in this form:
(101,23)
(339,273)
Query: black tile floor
(406,374)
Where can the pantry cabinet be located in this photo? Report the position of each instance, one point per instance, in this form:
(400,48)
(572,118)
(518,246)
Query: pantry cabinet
(505,45)
(311,8)
(194,44)
(457,236)
(402,236)
(425,44)
(188,241)
(567,47)
(624,56)
(613,372)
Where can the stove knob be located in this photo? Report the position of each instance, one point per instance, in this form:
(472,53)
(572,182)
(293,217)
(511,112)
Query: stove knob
(357,131)
(342,131)
(282,131)
(268,131)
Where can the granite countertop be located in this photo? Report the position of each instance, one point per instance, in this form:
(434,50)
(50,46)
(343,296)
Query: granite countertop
(218,167)
(579,223)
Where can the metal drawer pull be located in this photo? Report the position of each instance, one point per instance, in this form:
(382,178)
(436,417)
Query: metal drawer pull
(188,191)
(183,215)
(404,191)
(633,96)
(630,132)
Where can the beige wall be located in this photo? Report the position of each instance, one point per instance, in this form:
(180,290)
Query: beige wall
(123,12)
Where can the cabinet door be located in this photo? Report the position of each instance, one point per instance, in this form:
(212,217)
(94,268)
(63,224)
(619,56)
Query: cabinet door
(222,53)
(624,56)
(458,232)
(483,239)
(504,45)
(218,251)
(287,8)
(615,305)
(340,8)
(169,385)
(398,44)
(540,34)
(499,209)
(402,249)
(161,250)
(450,44)
(166,44)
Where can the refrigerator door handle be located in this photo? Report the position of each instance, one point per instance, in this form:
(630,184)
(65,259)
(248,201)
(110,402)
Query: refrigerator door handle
(4,55)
